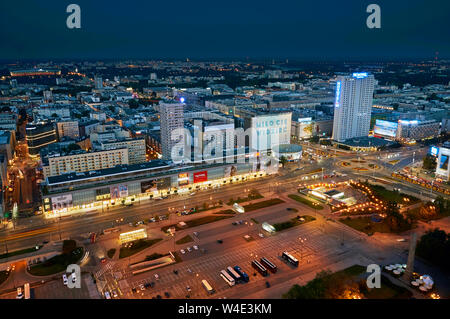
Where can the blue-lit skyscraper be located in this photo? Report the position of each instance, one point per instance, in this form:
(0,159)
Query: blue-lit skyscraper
(353,106)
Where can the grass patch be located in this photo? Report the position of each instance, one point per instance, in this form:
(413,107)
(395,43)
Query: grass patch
(391,196)
(346,284)
(3,276)
(137,246)
(245,199)
(263,204)
(111,252)
(155,256)
(305,201)
(20,252)
(177,257)
(184,240)
(196,222)
(293,222)
(225,212)
(57,263)
(366,225)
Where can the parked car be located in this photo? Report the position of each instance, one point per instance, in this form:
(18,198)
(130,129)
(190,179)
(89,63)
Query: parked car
(261,235)
(107,295)
(141,286)
(182,251)
(189,249)
(175,272)
(220,241)
(65,281)
(195,247)
(114,293)
(267,284)
(156,276)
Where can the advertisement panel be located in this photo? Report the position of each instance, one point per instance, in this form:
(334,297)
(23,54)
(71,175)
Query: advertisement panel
(183,179)
(229,171)
(200,177)
(385,128)
(119,191)
(444,162)
(149,186)
(61,202)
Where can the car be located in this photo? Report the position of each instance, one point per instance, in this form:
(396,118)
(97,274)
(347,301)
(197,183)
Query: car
(156,276)
(195,247)
(220,241)
(189,270)
(141,286)
(167,294)
(158,297)
(65,281)
(182,251)
(189,249)
(193,193)
(114,293)
(175,272)
(107,295)
(401,239)
(188,288)
(103,260)
(74,277)
(152,284)
(147,284)
(133,290)
(261,235)
(234,223)
(267,284)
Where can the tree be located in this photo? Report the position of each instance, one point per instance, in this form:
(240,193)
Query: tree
(283,160)
(429,162)
(434,246)
(396,221)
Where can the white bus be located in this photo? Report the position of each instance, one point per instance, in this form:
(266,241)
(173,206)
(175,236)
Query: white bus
(234,274)
(26,289)
(207,286)
(228,279)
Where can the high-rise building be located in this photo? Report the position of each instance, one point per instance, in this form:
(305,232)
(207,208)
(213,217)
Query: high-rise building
(98,82)
(172,118)
(40,135)
(353,106)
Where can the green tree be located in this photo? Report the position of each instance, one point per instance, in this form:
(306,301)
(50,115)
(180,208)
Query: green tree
(429,162)
(434,246)
(283,160)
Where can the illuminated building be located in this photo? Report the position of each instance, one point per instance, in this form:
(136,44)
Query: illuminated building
(40,135)
(353,106)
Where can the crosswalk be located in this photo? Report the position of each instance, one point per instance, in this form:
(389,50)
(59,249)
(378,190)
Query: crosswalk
(104,269)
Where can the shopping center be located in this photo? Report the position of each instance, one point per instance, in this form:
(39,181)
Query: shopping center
(125,184)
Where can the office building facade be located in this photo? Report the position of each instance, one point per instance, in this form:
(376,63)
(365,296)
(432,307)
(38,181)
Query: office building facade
(171,118)
(353,106)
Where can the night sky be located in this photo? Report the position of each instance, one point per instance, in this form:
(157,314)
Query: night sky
(304,29)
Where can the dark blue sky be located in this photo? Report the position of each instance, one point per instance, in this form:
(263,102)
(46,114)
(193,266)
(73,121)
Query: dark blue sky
(305,29)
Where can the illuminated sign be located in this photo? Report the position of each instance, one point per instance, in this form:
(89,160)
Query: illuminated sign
(132,235)
(415,122)
(183,179)
(118,191)
(338,94)
(305,119)
(434,150)
(385,128)
(360,75)
(200,177)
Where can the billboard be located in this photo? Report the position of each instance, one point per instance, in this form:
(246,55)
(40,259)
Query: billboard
(305,127)
(61,202)
(200,177)
(385,128)
(149,186)
(229,171)
(183,179)
(443,164)
(118,191)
